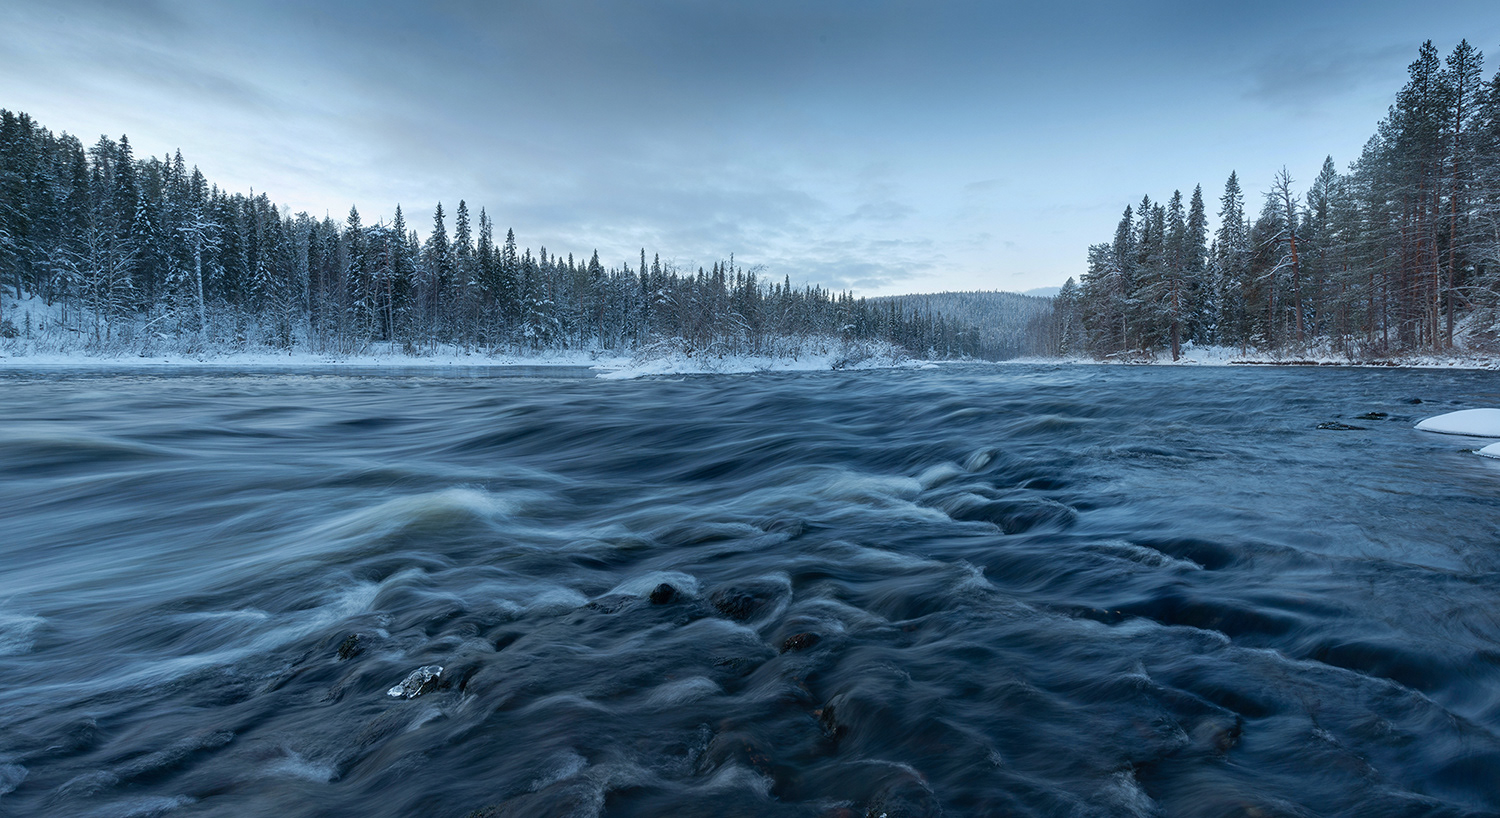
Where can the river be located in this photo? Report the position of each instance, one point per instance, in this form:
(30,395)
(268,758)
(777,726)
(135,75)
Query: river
(977,590)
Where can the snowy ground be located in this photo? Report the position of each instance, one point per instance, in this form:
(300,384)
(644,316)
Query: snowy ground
(1472,422)
(611,366)
(296,359)
(1233,356)
(47,338)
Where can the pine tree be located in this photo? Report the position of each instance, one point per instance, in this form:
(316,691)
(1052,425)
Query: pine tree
(1463,78)
(487,275)
(465,274)
(1231,259)
(359,304)
(437,261)
(401,283)
(1198,309)
(1175,269)
(510,296)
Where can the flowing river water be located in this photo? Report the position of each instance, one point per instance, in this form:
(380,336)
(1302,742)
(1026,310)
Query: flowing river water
(979,590)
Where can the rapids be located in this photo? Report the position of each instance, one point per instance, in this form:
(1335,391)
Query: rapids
(975,590)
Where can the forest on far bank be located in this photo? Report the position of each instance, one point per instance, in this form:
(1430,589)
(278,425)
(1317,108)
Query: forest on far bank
(138,256)
(1398,254)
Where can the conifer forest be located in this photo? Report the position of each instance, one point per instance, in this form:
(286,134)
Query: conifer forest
(1400,253)
(144,255)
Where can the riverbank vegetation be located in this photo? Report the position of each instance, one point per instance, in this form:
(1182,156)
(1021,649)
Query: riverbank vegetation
(147,256)
(1397,255)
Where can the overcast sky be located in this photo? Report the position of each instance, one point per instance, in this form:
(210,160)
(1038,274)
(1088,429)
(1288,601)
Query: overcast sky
(884,147)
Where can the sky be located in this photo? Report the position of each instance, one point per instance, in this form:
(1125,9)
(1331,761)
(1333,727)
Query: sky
(879,147)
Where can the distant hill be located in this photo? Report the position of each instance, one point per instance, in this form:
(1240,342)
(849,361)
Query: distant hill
(1043,292)
(1010,325)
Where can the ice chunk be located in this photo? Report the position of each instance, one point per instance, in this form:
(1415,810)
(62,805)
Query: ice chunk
(1492,450)
(1473,422)
(420,681)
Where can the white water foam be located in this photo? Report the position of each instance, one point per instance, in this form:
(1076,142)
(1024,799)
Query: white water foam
(559,767)
(680,692)
(294,765)
(1125,797)
(11,776)
(642,585)
(18,633)
(557,600)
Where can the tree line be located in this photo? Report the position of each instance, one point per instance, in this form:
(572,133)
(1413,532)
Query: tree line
(141,253)
(1400,253)
(1009,325)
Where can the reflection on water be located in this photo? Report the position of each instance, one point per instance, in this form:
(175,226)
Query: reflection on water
(972,591)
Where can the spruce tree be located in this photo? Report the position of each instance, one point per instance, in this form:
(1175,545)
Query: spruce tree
(437,278)
(1198,310)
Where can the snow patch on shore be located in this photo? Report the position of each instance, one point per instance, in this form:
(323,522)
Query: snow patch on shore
(1471,422)
(1234,356)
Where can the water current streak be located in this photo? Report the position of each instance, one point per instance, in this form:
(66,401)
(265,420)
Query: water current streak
(974,591)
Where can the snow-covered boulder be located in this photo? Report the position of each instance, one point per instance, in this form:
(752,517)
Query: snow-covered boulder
(1472,422)
(420,681)
(1492,450)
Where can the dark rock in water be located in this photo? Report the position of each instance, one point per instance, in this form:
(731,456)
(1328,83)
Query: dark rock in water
(906,797)
(734,604)
(609,604)
(741,602)
(1218,735)
(799,641)
(663,594)
(829,722)
(1017,515)
(735,667)
(422,680)
(1335,426)
(1414,401)
(349,648)
(1104,616)
(1372,416)
(1207,553)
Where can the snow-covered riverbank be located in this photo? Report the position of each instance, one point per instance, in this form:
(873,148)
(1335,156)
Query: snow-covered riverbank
(608,365)
(1233,356)
(35,336)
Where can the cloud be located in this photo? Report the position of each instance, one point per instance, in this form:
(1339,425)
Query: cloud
(887,210)
(984,186)
(1311,74)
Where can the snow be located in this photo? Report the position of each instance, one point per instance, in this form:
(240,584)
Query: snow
(1317,356)
(1492,450)
(303,359)
(608,365)
(815,361)
(1472,422)
(43,343)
